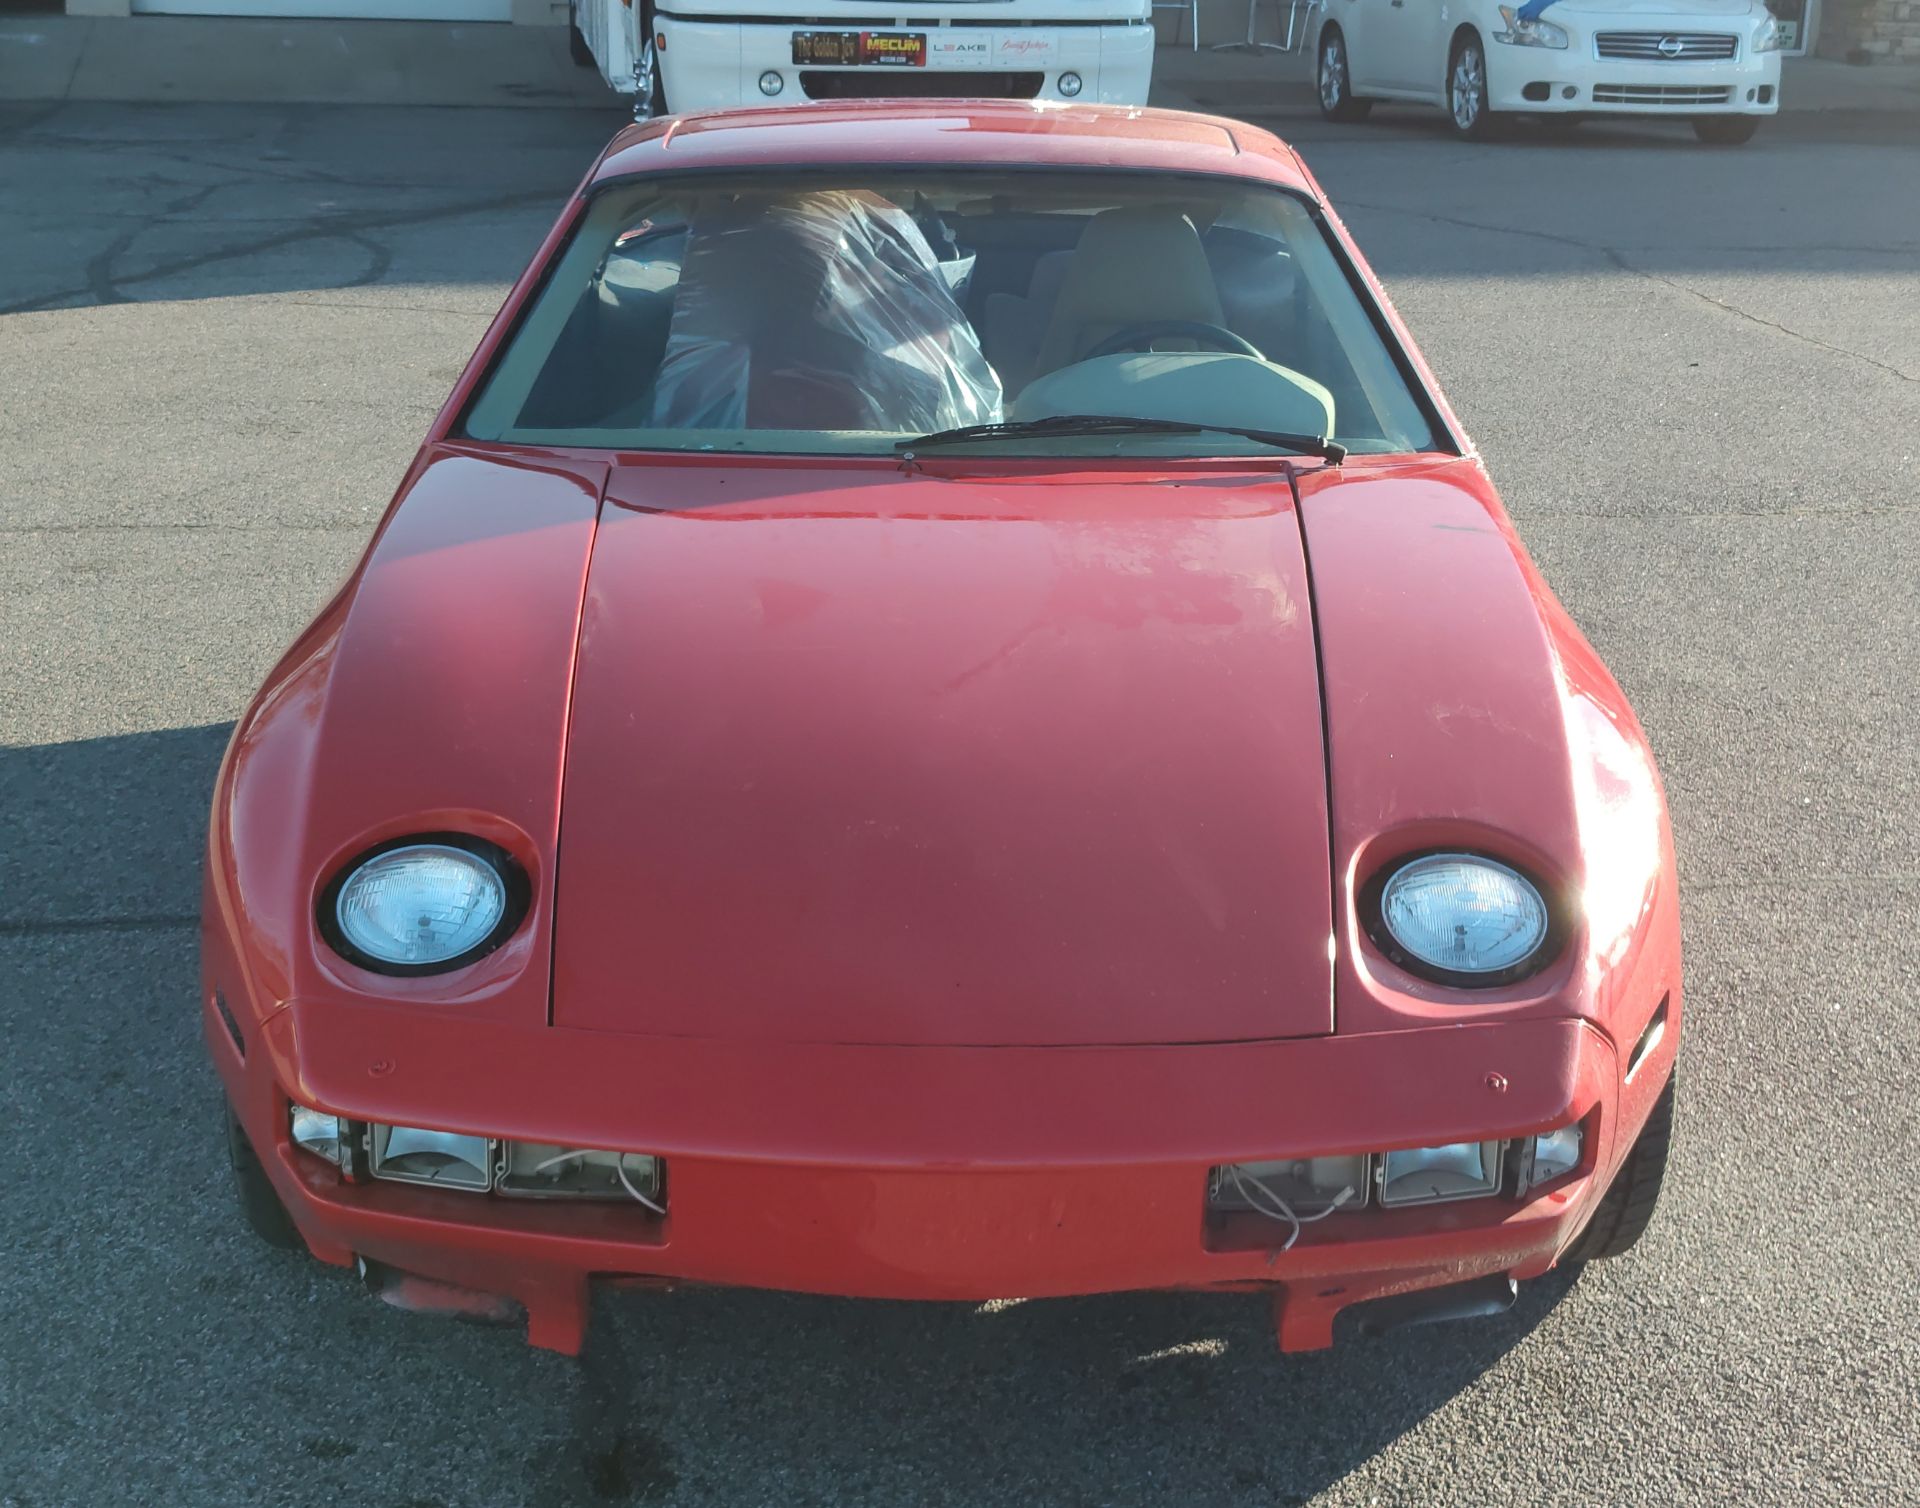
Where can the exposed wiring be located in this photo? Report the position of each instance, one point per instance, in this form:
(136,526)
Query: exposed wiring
(619,1168)
(1263,1201)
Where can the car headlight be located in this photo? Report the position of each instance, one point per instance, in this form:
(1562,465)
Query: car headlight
(1523,31)
(1461,919)
(1434,1175)
(319,1133)
(410,1154)
(423,905)
(1770,37)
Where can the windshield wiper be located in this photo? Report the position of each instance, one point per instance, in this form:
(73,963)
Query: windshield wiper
(1118,424)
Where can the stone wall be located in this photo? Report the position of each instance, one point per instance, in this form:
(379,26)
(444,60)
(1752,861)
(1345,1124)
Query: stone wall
(1870,31)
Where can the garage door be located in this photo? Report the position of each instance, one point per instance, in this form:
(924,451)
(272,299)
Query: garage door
(335,10)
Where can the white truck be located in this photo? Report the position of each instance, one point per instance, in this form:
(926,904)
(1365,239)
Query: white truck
(717,54)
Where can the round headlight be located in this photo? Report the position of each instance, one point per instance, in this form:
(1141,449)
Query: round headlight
(422,906)
(1463,919)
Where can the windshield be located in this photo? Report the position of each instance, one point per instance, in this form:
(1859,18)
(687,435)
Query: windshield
(844,314)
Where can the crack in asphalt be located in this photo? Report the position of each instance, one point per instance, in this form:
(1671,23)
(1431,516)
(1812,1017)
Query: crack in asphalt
(1618,259)
(99,266)
(105,287)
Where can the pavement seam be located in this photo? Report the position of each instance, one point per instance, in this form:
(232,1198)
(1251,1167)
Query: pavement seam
(358,526)
(51,927)
(1619,260)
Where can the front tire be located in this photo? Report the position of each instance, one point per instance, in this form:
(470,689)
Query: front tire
(1335,80)
(254,1191)
(1725,130)
(1627,1207)
(650,100)
(1468,110)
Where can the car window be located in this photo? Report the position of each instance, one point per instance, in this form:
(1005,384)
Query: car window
(813,314)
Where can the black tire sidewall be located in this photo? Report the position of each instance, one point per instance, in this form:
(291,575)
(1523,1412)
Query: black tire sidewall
(1615,1227)
(254,1191)
(1725,130)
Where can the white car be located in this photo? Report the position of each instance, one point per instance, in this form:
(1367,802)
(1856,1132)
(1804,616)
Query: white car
(1713,62)
(687,55)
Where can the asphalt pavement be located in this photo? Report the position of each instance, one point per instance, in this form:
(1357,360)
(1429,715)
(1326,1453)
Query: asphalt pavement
(1695,374)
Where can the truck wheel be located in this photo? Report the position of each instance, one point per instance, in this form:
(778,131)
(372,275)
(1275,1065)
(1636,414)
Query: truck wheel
(1627,1206)
(651,100)
(577,41)
(251,1186)
(1725,130)
(1335,80)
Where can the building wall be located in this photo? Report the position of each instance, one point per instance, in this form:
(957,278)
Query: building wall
(1871,31)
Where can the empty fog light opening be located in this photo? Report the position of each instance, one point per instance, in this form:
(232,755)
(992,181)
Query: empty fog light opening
(1294,1193)
(541,1170)
(1307,1184)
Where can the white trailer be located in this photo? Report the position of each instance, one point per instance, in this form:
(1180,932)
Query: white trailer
(718,54)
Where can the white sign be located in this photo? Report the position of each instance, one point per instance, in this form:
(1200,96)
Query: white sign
(959,48)
(1024,49)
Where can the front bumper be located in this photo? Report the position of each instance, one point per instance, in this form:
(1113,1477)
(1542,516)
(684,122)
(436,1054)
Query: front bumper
(717,65)
(948,1173)
(1745,85)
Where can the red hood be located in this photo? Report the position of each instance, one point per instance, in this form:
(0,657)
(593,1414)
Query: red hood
(910,760)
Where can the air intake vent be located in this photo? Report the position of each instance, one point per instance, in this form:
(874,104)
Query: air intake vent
(918,83)
(1666,46)
(1677,96)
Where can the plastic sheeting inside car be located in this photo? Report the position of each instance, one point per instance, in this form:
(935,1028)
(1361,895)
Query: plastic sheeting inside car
(817,311)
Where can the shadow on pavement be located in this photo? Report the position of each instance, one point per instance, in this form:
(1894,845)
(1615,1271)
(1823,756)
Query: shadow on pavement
(1178,1398)
(106,832)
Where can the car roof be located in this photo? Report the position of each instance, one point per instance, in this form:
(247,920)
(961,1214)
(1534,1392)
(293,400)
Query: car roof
(1004,133)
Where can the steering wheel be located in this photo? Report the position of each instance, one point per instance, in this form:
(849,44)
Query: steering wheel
(1141,337)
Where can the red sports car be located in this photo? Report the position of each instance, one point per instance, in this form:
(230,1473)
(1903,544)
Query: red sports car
(946,712)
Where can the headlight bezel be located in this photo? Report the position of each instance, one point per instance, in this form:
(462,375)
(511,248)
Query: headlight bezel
(517,891)
(1373,921)
(1523,31)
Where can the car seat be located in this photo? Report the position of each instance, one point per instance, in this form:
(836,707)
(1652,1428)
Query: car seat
(817,311)
(1132,266)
